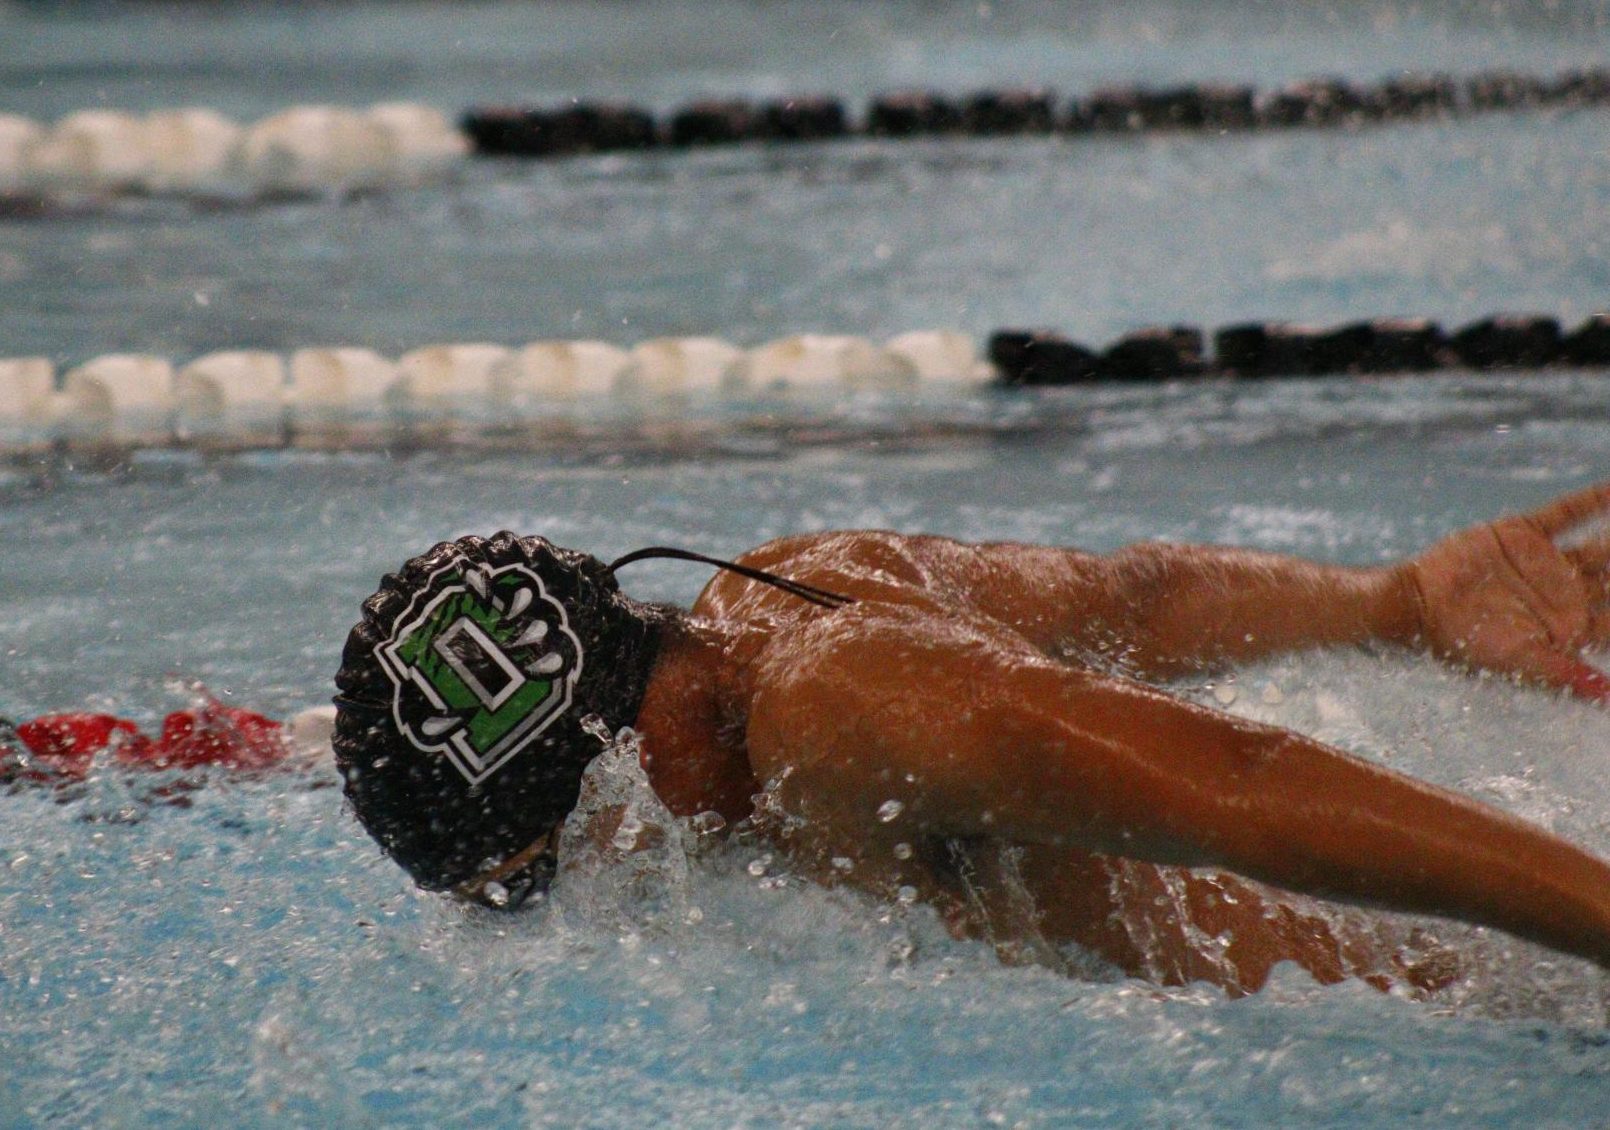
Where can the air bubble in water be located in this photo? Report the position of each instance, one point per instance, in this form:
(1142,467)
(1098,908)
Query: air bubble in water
(843,863)
(757,867)
(906,895)
(627,832)
(889,810)
(902,850)
(496,893)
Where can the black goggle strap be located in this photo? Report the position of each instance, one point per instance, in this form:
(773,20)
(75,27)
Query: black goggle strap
(810,593)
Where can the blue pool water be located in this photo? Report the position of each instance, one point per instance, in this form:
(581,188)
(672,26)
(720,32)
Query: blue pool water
(253,958)
(250,959)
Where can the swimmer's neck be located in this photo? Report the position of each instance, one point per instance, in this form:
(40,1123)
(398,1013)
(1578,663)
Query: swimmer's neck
(693,717)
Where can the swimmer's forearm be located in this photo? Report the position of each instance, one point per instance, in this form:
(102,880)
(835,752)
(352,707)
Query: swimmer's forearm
(1310,818)
(1184,608)
(1189,786)
(1161,610)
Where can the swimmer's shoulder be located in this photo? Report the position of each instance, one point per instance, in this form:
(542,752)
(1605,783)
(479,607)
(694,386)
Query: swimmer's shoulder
(866,565)
(852,545)
(1058,598)
(814,558)
(932,562)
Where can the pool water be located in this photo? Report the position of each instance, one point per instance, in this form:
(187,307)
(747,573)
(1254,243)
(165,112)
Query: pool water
(246,957)
(1452,221)
(252,957)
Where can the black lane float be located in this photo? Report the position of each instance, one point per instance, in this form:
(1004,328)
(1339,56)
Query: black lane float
(1283,349)
(1325,102)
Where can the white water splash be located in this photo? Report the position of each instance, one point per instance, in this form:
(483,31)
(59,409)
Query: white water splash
(622,861)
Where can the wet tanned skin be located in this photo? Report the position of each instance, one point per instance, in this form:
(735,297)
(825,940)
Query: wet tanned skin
(1044,793)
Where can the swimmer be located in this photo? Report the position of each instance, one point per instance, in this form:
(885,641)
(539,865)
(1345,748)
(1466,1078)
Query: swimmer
(976,723)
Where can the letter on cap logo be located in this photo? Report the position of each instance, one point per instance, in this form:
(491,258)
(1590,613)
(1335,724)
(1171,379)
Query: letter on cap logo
(481,662)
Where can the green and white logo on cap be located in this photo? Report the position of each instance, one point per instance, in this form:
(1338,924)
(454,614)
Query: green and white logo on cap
(482,661)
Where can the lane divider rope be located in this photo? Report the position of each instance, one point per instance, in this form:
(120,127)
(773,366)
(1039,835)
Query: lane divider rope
(332,150)
(470,392)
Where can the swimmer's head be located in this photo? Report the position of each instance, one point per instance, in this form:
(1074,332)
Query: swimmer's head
(482,679)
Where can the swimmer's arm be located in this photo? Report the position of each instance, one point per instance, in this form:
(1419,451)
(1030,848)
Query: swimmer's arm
(975,734)
(1162,610)
(1521,596)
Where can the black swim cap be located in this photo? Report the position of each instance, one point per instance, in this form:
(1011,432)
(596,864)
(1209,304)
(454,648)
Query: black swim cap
(471,697)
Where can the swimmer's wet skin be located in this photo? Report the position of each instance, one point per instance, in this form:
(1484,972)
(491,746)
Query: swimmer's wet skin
(913,703)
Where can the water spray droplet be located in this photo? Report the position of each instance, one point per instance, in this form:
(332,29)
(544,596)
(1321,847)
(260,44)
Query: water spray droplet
(902,850)
(707,823)
(890,810)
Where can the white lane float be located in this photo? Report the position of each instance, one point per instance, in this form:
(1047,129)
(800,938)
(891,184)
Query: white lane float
(302,150)
(443,383)
(807,362)
(339,394)
(557,379)
(192,150)
(423,143)
(19,137)
(939,355)
(316,149)
(29,406)
(91,152)
(331,397)
(673,369)
(119,400)
(235,398)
